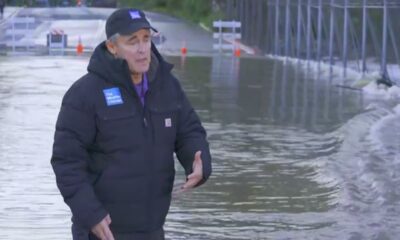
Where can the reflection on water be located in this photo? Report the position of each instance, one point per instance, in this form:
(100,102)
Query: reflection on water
(269,124)
(282,139)
(232,90)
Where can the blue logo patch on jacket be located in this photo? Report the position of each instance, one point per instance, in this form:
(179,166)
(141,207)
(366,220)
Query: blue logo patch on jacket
(113,96)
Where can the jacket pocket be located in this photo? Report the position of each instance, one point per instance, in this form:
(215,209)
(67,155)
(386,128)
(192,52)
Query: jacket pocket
(112,116)
(118,130)
(165,125)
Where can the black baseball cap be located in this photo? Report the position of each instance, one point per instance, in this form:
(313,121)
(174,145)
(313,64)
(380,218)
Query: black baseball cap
(126,21)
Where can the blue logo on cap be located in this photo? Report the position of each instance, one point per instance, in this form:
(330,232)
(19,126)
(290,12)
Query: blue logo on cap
(113,96)
(135,14)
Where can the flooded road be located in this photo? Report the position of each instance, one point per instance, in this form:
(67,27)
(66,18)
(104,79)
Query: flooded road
(295,156)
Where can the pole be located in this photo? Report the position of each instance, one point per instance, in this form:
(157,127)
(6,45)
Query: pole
(364,37)
(319,31)
(277,27)
(287,28)
(384,37)
(308,30)
(345,35)
(331,33)
(270,46)
(299,20)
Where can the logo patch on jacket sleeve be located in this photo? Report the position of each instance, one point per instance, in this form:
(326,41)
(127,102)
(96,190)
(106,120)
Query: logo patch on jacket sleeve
(168,122)
(113,96)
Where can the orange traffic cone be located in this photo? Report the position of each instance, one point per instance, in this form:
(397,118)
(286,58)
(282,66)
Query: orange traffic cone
(237,51)
(79,47)
(184,49)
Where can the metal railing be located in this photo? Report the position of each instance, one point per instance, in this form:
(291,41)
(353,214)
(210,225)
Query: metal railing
(361,34)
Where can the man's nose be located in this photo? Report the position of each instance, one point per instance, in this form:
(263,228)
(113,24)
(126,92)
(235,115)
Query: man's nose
(142,47)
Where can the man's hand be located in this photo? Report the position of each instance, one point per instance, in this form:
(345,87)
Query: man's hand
(102,230)
(197,174)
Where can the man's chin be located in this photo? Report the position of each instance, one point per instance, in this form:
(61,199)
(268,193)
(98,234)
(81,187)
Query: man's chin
(143,69)
(140,70)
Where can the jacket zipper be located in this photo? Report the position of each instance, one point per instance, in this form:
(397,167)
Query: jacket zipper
(146,123)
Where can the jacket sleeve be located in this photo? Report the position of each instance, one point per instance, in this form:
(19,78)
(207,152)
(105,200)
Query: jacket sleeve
(191,137)
(75,131)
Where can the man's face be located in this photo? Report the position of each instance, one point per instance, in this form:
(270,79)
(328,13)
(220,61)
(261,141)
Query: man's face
(135,49)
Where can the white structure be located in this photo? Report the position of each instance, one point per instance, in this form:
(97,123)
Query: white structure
(57,41)
(228,33)
(25,32)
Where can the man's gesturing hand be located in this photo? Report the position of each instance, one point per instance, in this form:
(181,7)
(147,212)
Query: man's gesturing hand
(197,174)
(102,230)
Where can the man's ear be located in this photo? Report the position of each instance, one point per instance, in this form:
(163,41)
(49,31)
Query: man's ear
(111,47)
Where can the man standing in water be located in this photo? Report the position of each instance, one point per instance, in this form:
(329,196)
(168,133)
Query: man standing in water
(116,133)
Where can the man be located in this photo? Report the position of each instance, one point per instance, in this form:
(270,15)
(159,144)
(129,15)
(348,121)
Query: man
(116,133)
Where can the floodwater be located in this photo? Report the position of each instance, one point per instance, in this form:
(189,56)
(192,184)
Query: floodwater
(295,155)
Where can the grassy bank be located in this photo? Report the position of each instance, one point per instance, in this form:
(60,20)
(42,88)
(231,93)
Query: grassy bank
(196,11)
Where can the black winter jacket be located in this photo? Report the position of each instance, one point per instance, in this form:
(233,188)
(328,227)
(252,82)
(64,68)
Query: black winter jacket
(118,159)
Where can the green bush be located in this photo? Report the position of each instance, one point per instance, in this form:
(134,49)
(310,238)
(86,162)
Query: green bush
(198,11)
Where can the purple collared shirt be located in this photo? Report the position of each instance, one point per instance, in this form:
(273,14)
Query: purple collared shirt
(142,88)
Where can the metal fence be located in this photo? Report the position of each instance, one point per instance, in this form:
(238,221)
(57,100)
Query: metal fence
(361,34)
